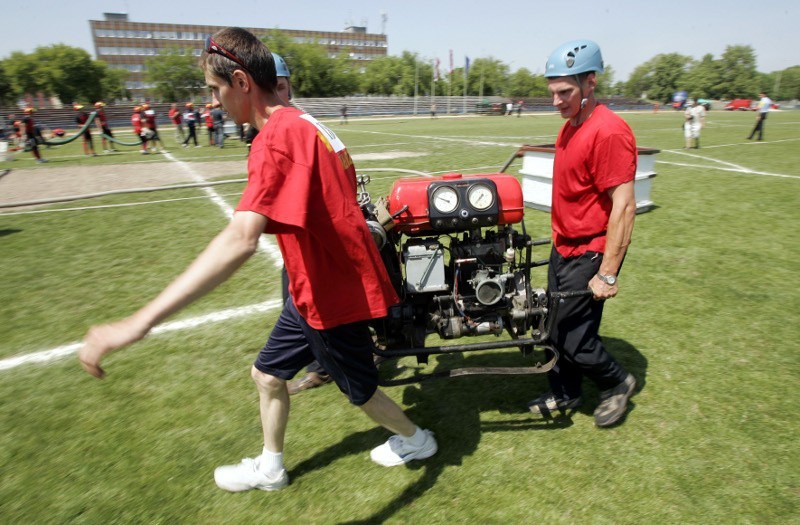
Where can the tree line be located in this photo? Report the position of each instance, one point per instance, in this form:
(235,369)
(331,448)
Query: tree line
(72,75)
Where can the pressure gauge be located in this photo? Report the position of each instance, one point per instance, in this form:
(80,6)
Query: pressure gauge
(444,199)
(480,196)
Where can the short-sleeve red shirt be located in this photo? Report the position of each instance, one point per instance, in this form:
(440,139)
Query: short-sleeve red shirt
(136,121)
(590,159)
(301,177)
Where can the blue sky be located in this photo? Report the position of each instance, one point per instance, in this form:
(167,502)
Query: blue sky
(521,35)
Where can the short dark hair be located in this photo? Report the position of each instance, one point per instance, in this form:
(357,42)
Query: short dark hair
(252,52)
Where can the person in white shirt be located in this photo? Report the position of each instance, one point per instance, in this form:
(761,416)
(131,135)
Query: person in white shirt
(695,120)
(764,106)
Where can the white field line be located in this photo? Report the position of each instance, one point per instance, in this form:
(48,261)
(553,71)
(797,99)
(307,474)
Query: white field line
(440,139)
(107,206)
(725,166)
(263,244)
(216,198)
(173,326)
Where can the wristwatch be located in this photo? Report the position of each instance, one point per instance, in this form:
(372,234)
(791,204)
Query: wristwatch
(610,280)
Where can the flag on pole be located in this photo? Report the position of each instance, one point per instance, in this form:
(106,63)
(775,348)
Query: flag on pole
(436,71)
(451,61)
(466,66)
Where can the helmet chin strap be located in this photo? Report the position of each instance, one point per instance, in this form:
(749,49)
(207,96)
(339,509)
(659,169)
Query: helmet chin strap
(584,101)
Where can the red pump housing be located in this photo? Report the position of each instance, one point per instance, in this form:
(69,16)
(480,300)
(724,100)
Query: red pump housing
(411,202)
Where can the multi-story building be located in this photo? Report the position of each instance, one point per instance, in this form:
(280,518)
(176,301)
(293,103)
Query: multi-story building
(123,44)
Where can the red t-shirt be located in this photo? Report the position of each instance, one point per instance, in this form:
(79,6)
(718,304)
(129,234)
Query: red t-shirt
(175,116)
(301,177)
(150,118)
(136,120)
(590,159)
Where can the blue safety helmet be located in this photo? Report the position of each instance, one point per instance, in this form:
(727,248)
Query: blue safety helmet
(281,69)
(573,58)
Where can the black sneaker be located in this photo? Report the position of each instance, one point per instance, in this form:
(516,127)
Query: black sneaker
(545,404)
(614,402)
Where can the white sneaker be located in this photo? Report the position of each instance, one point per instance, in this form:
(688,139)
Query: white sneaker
(247,476)
(398,451)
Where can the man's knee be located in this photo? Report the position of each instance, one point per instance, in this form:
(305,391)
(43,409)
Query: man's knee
(265,382)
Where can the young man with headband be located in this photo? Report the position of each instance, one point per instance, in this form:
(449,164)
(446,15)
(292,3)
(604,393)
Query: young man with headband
(302,188)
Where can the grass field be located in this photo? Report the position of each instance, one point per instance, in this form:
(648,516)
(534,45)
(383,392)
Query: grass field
(707,319)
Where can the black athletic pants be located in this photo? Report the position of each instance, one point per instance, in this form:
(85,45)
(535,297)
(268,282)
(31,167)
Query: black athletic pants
(575,331)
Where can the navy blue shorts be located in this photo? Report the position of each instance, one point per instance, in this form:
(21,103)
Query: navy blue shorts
(345,352)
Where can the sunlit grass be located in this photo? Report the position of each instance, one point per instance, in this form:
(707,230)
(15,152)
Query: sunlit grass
(707,320)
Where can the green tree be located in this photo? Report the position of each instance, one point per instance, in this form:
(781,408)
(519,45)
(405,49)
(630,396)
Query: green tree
(605,82)
(659,77)
(112,83)
(523,83)
(314,73)
(487,77)
(703,79)
(175,74)
(390,75)
(6,94)
(738,75)
(22,73)
(784,85)
(68,72)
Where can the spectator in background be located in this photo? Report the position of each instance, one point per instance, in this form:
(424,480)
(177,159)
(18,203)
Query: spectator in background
(209,120)
(138,130)
(177,121)
(218,118)
(519,108)
(32,142)
(152,128)
(694,121)
(82,118)
(764,105)
(191,117)
(343,114)
(14,133)
(102,125)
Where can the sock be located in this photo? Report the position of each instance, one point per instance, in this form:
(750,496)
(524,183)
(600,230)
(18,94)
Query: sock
(270,462)
(418,438)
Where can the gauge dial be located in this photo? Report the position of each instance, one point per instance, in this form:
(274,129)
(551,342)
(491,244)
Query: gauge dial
(445,199)
(480,197)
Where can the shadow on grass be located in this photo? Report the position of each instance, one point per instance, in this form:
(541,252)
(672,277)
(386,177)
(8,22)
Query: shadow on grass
(8,231)
(452,409)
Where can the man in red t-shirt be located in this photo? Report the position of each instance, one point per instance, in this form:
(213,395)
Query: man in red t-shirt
(29,127)
(136,122)
(209,120)
(81,117)
(302,188)
(149,117)
(102,125)
(177,120)
(592,218)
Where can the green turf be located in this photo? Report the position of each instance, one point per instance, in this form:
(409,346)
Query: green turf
(707,319)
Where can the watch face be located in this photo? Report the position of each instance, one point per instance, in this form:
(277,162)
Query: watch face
(608,279)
